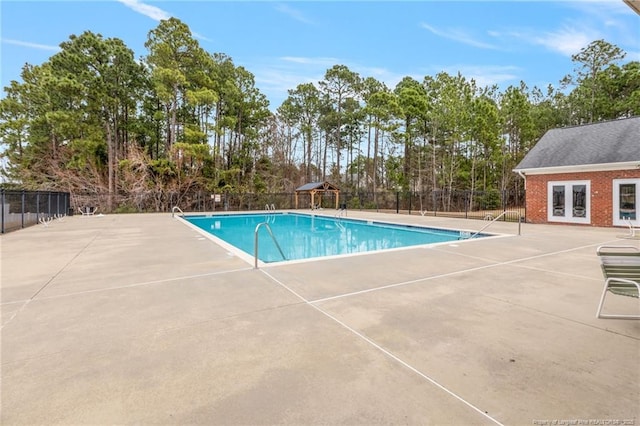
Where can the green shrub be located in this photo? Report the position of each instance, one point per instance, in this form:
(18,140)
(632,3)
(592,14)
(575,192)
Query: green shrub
(490,200)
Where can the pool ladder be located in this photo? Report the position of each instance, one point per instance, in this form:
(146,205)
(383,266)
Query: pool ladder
(270,208)
(338,217)
(173,211)
(255,243)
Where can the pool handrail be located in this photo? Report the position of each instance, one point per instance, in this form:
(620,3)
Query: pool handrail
(632,230)
(498,217)
(255,242)
(173,210)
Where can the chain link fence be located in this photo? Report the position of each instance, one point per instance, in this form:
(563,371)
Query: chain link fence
(26,208)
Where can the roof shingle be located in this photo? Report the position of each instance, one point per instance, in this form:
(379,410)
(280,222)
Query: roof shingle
(607,142)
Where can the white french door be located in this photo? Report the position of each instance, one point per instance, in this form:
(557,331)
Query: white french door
(568,201)
(626,202)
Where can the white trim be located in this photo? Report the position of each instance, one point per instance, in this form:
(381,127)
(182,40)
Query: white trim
(616,202)
(568,209)
(628,165)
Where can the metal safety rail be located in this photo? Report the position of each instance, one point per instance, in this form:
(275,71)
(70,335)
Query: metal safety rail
(498,217)
(255,243)
(173,210)
(270,208)
(632,230)
(338,218)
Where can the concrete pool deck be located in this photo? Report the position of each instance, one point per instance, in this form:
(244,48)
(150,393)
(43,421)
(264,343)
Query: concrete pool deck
(139,319)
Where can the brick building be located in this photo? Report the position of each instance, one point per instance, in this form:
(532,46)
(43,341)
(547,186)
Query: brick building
(587,175)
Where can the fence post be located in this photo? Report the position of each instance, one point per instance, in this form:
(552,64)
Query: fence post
(435,203)
(22,209)
(3,202)
(38,207)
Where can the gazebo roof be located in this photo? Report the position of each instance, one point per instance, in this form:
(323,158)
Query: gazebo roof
(318,186)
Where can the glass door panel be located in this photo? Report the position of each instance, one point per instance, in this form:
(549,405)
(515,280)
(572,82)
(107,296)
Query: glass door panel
(579,200)
(558,200)
(628,202)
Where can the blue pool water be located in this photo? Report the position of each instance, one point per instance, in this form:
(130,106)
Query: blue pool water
(308,236)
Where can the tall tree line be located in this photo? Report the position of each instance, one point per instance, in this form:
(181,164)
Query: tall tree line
(94,120)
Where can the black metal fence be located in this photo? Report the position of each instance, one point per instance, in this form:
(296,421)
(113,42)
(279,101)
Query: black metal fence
(456,203)
(26,208)
(461,204)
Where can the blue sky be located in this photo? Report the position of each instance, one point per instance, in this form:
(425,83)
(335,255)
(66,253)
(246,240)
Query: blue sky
(288,43)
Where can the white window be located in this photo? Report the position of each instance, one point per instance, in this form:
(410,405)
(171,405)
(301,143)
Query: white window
(569,201)
(626,202)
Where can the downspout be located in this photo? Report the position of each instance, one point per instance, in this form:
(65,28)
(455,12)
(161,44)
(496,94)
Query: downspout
(522,175)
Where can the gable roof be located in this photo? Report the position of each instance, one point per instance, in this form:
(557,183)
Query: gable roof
(323,186)
(633,4)
(596,145)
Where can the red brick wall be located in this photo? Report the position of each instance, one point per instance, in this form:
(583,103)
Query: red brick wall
(601,194)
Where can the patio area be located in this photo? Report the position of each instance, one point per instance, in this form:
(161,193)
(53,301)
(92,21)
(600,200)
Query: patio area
(140,319)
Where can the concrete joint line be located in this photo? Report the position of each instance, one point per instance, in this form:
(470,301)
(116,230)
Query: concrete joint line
(167,280)
(448,274)
(384,351)
(15,314)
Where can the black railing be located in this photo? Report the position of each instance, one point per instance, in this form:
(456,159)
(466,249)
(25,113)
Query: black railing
(26,208)
(456,203)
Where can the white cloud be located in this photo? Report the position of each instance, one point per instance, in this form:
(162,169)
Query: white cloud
(275,81)
(275,78)
(31,45)
(633,56)
(152,12)
(602,9)
(320,61)
(384,75)
(566,41)
(458,35)
(293,13)
(593,20)
(485,75)
(200,36)
(155,13)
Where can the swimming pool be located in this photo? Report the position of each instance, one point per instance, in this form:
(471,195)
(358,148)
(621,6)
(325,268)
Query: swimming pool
(303,236)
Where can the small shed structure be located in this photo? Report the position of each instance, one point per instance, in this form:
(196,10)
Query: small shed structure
(587,174)
(318,188)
